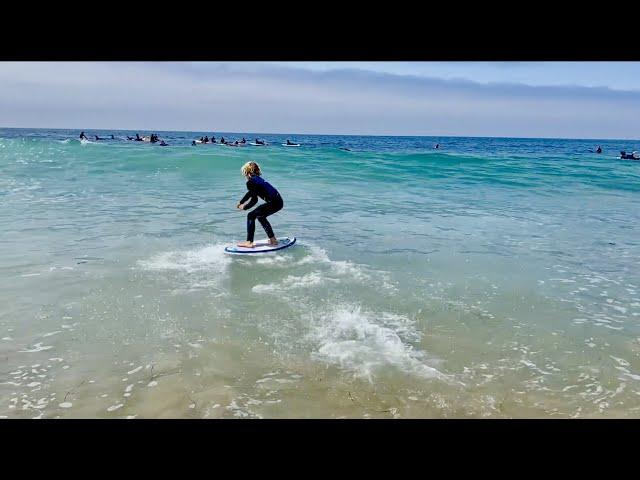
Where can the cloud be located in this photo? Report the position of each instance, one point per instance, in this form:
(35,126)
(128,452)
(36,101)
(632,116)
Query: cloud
(254,97)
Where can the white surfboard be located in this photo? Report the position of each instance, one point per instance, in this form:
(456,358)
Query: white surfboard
(261,246)
(293,145)
(254,144)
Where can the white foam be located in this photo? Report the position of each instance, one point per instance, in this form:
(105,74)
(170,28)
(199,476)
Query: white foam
(52,333)
(211,258)
(135,370)
(115,407)
(37,348)
(65,405)
(362,343)
(312,279)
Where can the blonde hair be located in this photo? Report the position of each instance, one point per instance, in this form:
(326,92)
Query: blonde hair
(251,168)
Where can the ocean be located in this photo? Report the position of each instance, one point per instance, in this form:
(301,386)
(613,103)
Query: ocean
(492,277)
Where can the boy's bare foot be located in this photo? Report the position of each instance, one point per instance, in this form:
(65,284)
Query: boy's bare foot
(246,244)
(273,241)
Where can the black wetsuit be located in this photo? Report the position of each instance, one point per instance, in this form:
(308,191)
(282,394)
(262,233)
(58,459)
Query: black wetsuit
(260,188)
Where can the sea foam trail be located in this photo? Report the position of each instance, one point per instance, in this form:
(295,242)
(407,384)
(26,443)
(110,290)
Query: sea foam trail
(210,258)
(365,343)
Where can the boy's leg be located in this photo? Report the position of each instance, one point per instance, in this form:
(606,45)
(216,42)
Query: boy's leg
(261,214)
(251,228)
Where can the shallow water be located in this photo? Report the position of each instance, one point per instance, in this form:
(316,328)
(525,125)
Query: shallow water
(491,278)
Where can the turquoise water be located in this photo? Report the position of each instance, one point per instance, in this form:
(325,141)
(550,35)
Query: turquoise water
(490,278)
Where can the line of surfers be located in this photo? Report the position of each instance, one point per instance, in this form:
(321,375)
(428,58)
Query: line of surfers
(224,142)
(153,138)
(205,140)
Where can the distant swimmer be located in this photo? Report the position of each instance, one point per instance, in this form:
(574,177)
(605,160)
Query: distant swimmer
(289,142)
(222,140)
(112,137)
(213,139)
(243,140)
(164,144)
(98,138)
(193,143)
(236,142)
(259,142)
(206,139)
(130,138)
(437,146)
(83,136)
(138,139)
(599,150)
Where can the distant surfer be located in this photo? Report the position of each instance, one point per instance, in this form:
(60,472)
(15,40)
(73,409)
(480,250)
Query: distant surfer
(629,156)
(138,139)
(259,142)
(598,150)
(243,140)
(290,143)
(112,137)
(222,140)
(83,136)
(437,146)
(193,143)
(258,187)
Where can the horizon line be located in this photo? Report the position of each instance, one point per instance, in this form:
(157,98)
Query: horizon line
(318,134)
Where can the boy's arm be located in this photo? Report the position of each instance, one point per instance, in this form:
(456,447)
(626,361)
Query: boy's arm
(252,202)
(246,197)
(250,194)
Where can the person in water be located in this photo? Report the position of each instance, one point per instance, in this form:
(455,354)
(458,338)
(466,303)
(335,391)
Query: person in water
(598,150)
(138,139)
(258,187)
(193,143)
(243,140)
(222,140)
(112,137)
(213,139)
(259,142)
(437,146)
(289,142)
(83,136)
(206,139)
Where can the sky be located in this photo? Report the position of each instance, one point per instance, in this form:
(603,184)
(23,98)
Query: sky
(495,99)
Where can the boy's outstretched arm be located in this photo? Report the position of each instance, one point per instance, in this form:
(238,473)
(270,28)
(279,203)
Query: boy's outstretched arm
(252,202)
(250,193)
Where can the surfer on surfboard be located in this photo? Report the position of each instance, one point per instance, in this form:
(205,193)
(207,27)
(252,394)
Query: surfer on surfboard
(258,187)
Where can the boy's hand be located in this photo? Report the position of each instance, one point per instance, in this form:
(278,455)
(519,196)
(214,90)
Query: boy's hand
(240,206)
